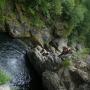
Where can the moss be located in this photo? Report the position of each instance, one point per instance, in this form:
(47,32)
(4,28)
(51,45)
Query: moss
(3,77)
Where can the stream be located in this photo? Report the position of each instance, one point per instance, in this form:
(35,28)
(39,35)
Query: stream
(14,62)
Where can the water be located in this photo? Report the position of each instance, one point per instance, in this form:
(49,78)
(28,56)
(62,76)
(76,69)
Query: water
(14,62)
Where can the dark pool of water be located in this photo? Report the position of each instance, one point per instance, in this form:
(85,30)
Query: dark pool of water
(14,62)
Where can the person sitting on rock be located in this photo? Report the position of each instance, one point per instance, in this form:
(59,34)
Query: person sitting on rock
(65,51)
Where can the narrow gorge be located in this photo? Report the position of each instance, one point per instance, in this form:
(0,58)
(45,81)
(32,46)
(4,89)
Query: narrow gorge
(44,45)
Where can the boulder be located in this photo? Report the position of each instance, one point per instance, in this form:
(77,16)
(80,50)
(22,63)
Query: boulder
(52,81)
(44,60)
(65,78)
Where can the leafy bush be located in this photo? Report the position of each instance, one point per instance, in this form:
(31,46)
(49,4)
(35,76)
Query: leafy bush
(81,32)
(3,78)
(78,14)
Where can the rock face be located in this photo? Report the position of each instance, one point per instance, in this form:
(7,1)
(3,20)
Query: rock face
(45,48)
(4,87)
(44,60)
(51,81)
(17,29)
(55,76)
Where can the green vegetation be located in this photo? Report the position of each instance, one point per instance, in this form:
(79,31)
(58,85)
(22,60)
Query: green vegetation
(70,12)
(66,63)
(81,55)
(81,32)
(69,18)
(3,78)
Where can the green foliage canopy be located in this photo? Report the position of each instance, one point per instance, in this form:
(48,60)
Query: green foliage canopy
(70,13)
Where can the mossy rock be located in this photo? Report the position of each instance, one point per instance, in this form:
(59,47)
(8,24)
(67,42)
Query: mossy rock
(37,38)
(16,28)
